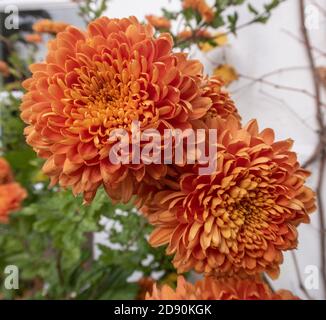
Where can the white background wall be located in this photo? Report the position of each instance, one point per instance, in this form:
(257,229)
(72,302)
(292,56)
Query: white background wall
(257,50)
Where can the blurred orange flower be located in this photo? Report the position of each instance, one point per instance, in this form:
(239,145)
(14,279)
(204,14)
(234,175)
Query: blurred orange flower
(49,26)
(145,285)
(201,33)
(159,22)
(185,34)
(11,196)
(202,7)
(4,69)
(321,73)
(211,288)
(33,38)
(5,172)
(222,104)
(239,219)
(97,81)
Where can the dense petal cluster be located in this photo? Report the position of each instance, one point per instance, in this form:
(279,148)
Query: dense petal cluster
(49,26)
(239,219)
(94,82)
(219,289)
(222,104)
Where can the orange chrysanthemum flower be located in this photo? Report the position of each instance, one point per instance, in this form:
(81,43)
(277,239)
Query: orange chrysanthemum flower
(222,104)
(211,288)
(11,196)
(49,26)
(222,107)
(33,38)
(4,69)
(202,7)
(97,81)
(239,219)
(159,22)
(5,172)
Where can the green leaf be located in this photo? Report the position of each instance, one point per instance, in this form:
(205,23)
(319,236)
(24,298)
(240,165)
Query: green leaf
(218,21)
(188,13)
(272,5)
(252,9)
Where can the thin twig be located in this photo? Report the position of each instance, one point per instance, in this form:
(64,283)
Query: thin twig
(89,246)
(283,103)
(59,269)
(319,194)
(313,158)
(281,87)
(320,121)
(194,37)
(269,74)
(289,33)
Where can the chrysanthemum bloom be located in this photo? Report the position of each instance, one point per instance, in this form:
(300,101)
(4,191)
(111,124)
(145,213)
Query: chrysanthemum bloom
(222,104)
(202,7)
(239,219)
(49,26)
(11,197)
(159,22)
(95,82)
(33,38)
(4,69)
(211,288)
(5,172)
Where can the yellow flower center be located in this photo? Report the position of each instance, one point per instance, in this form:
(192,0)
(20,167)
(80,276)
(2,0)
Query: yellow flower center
(240,213)
(105,100)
